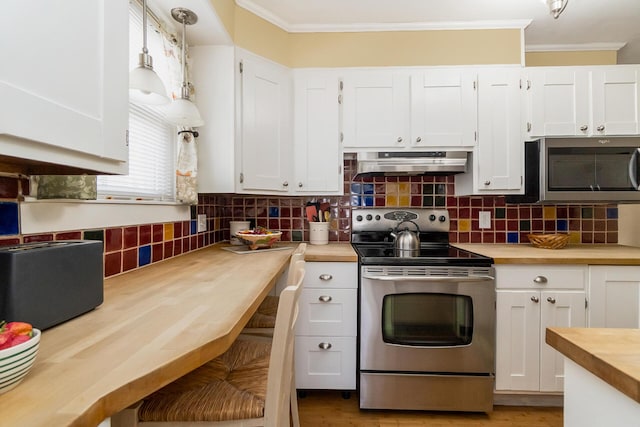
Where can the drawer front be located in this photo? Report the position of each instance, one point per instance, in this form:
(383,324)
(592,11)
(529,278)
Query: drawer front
(325,363)
(331,275)
(543,276)
(328,312)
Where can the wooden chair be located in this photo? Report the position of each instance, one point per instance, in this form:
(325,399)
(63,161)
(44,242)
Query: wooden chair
(251,384)
(264,319)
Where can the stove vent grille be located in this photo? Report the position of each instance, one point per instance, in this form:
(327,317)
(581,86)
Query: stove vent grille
(426,271)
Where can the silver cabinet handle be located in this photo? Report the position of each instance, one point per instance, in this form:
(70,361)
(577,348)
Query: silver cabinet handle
(487,183)
(535,299)
(324,345)
(325,298)
(325,277)
(584,128)
(600,128)
(551,300)
(285,184)
(418,139)
(399,139)
(300,184)
(632,169)
(541,280)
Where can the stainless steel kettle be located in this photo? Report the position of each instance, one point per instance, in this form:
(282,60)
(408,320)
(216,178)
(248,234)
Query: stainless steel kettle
(407,242)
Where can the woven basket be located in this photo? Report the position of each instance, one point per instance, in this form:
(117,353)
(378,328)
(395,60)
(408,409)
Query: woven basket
(549,241)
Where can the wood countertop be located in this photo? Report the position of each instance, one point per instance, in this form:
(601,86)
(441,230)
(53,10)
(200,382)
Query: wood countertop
(336,252)
(156,324)
(571,254)
(610,354)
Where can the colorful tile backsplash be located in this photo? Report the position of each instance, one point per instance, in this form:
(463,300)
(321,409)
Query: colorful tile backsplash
(130,247)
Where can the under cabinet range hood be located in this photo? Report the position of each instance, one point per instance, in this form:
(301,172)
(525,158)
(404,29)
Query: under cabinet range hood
(391,163)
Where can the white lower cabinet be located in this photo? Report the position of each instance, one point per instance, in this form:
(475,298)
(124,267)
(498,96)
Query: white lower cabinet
(614,296)
(530,299)
(325,349)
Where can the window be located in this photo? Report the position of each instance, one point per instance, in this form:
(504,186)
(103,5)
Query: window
(152,140)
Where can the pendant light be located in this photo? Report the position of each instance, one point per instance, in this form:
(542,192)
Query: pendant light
(556,7)
(145,87)
(182,111)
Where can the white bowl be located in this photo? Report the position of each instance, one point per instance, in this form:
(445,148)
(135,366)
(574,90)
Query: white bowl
(16,361)
(257,241)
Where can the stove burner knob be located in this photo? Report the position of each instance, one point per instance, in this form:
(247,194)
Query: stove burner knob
(442,218)
(359,218)
(377,217)
(432,217)
(369,217)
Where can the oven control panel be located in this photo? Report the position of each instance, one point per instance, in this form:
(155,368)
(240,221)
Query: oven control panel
(389,218)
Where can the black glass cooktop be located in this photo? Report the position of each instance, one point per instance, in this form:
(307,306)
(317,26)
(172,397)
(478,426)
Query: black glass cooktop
(384,254)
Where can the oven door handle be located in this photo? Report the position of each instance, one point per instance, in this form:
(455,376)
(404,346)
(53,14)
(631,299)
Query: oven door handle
(429,278)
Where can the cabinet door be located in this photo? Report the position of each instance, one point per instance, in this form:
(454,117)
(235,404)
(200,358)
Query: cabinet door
(64,87)
(559,309)
(318,159)
(616,105)
(517,340)
(443,108)
(499,161)
(327,312)
(559,101)
(376,110)
(325,363)
(614,297)
(264,129)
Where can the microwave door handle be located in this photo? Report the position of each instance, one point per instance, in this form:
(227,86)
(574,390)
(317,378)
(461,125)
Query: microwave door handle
(633,170)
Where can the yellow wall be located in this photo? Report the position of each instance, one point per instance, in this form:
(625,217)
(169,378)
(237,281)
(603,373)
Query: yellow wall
(261,37)
(595,57)
(226,10)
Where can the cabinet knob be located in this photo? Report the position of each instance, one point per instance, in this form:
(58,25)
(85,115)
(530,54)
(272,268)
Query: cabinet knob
(600,128)
(300,184)
(325,298)
(584,128)
(535,299)
(487,182)
(418,139)
(540,280)
(324,345)
(285,184)
(325,277)
(551,300)
(399,139)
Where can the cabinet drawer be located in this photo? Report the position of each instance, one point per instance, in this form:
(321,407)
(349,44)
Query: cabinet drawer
(327,312)
(331,275)
(541,276)
(325,363)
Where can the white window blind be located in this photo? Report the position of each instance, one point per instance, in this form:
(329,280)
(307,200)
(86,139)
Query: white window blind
(152,140)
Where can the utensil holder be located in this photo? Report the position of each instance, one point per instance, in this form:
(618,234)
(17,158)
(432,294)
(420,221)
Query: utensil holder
(236,226)
(318,233)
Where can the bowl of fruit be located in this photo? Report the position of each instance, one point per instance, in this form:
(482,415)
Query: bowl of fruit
(259,237)
(19,344)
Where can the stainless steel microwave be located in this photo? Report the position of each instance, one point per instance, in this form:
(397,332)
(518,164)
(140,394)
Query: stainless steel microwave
(595,170)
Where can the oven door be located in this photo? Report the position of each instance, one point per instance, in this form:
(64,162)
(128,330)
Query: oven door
(427,319)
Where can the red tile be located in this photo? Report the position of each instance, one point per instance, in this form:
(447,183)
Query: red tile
(574,224)
(501,238)
(8,188)
(512,225)
(599,225)
(186,228)
(157,252)
(587,225)
(453,237)
(130,259)
(70,235)
(587,238)
(524,212)
(612,237)
(177,247)
(130,237)
(7,242)
(476,201)
(488,237)
(38,238)
(612,225)
(168,249)
(113,239)
(144,236)
(112,263)
(512,213)
(500,224)
(537,225)
(464,201)
(158,233)
(464,213)
(194,242)
(550,225)
(599,237)
(177,230)
(274,224)
(463,237)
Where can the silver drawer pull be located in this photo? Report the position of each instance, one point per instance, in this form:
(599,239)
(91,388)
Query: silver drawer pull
(326,277)
(325,298)
(324,345)
(535,299)
(551,300)
(540,280)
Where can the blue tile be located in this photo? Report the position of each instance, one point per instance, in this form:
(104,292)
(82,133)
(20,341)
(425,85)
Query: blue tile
(356,188)
(355,200)
(144,255)
(612,213)
(9,219)
(368,201)
(562,225)
(367,189)
(194,226)
(512,237)
(274,212)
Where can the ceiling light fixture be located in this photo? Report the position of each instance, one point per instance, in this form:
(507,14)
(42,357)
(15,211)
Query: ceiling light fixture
(556,7)
(182,111)
(145,87)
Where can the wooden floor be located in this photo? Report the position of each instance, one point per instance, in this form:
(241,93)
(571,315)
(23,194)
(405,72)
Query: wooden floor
(328,408)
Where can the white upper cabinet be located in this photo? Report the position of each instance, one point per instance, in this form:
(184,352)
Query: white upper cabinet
(63,83)
(263,155)
(317,151)
(376,108)
(443,108)
(584,101)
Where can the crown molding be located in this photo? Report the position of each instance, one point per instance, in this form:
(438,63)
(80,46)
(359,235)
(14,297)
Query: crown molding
(573,47)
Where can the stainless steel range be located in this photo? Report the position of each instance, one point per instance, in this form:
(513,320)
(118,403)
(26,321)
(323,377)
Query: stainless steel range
(427,317)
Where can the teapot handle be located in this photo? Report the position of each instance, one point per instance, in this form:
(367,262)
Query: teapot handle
(408,220)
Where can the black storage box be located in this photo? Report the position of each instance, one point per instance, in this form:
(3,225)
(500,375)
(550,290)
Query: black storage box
(47,283)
